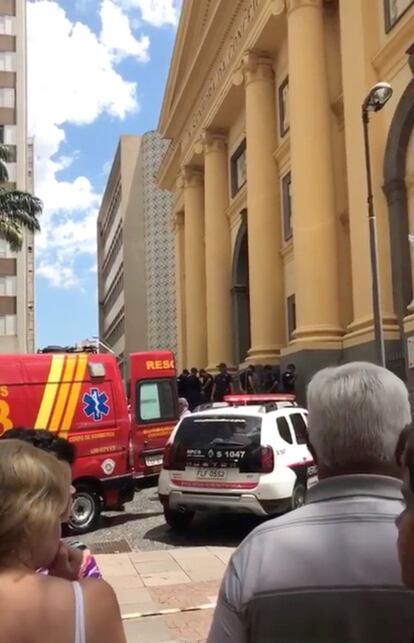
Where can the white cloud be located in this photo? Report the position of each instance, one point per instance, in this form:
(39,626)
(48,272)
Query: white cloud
(58,275)
(155,12)
(117,34)
(72,79)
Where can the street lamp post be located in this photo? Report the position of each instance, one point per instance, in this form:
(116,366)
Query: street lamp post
(375,100)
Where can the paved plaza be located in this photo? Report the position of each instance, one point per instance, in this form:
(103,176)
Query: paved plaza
(166,596)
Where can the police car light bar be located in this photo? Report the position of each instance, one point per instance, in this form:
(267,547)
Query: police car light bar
(259,398)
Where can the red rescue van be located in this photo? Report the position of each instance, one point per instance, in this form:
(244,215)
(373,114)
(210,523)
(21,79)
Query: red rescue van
(81,396)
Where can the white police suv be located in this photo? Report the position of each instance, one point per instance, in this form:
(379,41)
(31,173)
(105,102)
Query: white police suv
(250,457)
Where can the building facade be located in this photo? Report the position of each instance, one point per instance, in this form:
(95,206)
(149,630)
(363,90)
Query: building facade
(16,269)
(136,253)
(267,168)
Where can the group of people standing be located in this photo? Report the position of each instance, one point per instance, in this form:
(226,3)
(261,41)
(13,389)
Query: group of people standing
(199,386)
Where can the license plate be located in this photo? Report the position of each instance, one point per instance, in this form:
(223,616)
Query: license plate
(153,460)
(212,474)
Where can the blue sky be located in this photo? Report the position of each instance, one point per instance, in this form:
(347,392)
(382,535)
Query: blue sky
(97,70)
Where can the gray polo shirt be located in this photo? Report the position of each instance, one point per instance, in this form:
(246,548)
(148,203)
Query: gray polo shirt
(325,573)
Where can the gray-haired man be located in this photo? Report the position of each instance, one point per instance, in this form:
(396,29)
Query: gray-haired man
(328,572)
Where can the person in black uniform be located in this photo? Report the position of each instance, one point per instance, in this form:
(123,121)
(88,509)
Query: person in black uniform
(207,382)
(270,380)
(193,383)
(182,383)
(223,384)
(289,379)
(248,380)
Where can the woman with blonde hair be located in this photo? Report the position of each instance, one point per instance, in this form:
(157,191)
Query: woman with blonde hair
(35,494)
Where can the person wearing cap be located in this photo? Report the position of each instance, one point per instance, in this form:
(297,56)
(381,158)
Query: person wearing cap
(223,384)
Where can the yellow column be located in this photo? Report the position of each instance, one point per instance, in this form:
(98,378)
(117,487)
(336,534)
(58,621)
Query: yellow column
(358,77)
(267,305)
(313,197)
(217,251)
(195,277)
(180,289)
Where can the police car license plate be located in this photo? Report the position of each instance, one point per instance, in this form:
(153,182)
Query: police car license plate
(212,474)
(153,460)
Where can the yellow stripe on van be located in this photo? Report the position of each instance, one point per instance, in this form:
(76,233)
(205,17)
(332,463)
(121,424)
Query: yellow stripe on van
(49,394)
(64,389)
(74,393)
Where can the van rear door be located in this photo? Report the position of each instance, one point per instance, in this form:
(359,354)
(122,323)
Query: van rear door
(154,408)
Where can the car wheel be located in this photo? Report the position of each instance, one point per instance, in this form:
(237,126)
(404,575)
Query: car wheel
(298,496)
(86,510)
(178,520)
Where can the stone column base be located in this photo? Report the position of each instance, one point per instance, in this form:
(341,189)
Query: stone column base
(309,360)
(263,355)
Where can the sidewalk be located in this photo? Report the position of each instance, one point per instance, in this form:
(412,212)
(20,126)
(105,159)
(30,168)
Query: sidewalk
(167,582)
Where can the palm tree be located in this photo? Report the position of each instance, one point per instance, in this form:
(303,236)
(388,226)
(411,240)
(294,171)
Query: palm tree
(19,211)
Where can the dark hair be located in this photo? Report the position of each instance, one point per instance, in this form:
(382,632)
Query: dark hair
(194,370)
(404,452)
(290,366)
(45,440)
(186,372)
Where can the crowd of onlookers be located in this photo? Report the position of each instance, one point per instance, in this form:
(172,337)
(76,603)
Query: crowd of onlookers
(340,569)
(198,386)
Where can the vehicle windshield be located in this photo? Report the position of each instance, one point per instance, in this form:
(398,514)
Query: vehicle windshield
(204,432)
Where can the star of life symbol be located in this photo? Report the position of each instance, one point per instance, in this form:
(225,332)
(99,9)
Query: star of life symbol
(95,404)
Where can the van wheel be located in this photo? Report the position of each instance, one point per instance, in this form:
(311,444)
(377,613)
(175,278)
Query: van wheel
(178,520)
(298,496)
(86,510)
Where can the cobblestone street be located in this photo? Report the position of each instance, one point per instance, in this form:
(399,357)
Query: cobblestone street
(142,527)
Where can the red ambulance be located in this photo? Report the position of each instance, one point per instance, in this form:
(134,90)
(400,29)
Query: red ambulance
(81,397)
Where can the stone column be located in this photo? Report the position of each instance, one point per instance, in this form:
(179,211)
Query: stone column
(217,251)
(195,275)
(267,297)
(178,223)
(313,197)
(358,77)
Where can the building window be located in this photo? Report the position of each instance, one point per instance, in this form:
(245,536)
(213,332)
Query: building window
(284,107)
(6,61)
(3,248)
(7,25)
(7,97)
(394,10)
(287,206)
(8,286)
(8,325)
(238,168)
(291,316)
